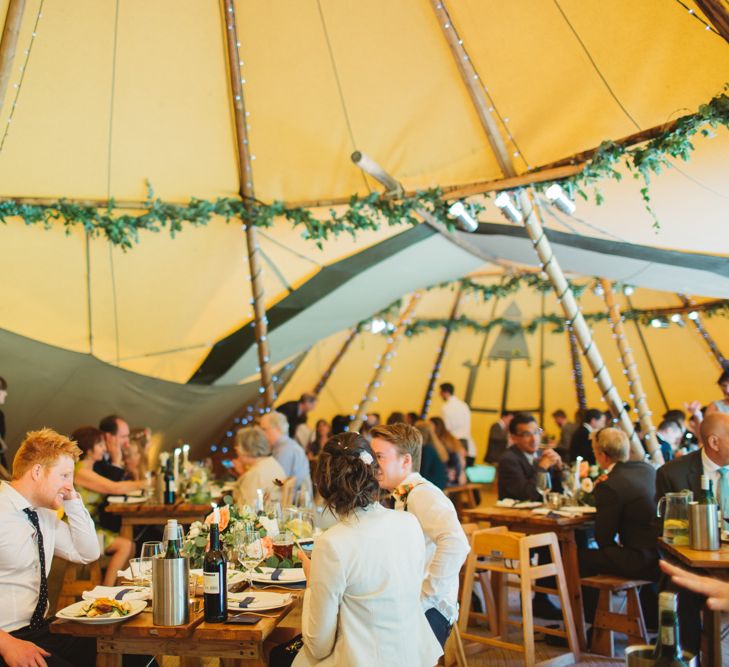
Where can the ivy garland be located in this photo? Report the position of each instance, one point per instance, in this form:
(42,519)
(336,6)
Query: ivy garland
(650,157)
(369,212)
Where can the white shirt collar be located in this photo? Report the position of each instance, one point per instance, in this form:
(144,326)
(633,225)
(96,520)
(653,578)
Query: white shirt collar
(708,464)
(17,499)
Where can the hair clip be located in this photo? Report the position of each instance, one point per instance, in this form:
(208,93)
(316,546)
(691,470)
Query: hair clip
(366,457)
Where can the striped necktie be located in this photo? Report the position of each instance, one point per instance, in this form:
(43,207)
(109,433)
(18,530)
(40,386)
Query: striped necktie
(36,620)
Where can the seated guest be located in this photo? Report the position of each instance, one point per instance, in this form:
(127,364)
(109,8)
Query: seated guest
(566,431)
(396,418)
(669,436)
(581,444)
(42,483)
(456,464)
(285,450)
(135,463)
(517,478)
(398,450)
(722,405)
(362,606)
(624,521)
(257,467)
(434,456)
(116,439)
(94,488)
(685,473)
(296,412)
(498,438)
(322,433)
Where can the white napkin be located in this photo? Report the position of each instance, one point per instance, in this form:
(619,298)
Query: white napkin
(129,593)
(547,510)
(125,574)
(287,574)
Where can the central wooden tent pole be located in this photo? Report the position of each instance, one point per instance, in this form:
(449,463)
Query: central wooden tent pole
(245,177)
(631,369)
(718,15)
(699,325)
(534,228)
(9,44)
(576,368)
(382,365)
(441,353)
(353,332)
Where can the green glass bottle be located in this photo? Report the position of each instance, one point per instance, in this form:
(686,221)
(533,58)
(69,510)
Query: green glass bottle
(668,651)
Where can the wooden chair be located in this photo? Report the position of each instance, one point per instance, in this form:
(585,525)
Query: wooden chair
(287,492)
(507,553)
(607,621)
(77,579)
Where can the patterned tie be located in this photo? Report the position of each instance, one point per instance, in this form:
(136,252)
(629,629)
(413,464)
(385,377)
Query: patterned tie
(724,491)
(40,609)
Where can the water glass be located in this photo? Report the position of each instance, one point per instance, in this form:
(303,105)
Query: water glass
(250,551)
(544,483)
(139,574)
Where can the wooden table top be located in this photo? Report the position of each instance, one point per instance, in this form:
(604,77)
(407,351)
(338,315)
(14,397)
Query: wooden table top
(523,516)
(700,559)
(179,509)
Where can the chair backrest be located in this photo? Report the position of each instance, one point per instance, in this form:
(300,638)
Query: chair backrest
(287,492)
(498,542)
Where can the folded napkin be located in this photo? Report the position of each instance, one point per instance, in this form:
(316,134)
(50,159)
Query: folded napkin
(288,574)
(244,603)
(554,513)
(118,593)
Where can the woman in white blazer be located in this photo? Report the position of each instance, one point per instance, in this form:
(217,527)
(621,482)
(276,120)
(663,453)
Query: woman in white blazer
(362,602)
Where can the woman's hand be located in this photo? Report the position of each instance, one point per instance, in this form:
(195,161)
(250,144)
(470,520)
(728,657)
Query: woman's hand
(305,563)
(716,591)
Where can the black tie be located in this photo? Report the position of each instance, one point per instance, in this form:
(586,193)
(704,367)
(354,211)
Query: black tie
(40,609)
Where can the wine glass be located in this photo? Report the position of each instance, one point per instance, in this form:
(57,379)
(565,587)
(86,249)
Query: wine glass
(544,484)
(149,551)
(250,551)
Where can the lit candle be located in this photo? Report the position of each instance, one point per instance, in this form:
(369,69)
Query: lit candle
(216,514)
(176,467)
(185,455)
(578,468)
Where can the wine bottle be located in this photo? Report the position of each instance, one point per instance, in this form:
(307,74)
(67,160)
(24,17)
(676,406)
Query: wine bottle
(668,651)
(170,486)
(172,536)
(706,497)
(215,580)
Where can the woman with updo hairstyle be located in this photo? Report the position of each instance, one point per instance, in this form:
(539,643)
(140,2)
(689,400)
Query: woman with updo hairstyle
(362,602)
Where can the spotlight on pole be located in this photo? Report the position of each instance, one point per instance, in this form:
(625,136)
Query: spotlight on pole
(377,325)
(693,315)
(507,208)
(558,198)
(628,290)
(464,219)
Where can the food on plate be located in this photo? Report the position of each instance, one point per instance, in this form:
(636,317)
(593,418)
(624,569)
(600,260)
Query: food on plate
(105,607)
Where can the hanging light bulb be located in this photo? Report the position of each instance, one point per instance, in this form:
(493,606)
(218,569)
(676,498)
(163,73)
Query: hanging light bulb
(693,315)
(377,325)
(507,207)
(558,198)
(464,219)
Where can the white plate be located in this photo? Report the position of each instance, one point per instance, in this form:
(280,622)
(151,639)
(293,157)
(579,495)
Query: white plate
(69,613)
(234,576)
(288,576)
(263,600)
(122,500)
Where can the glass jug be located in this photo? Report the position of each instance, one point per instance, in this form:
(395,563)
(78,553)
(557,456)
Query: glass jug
(675,516)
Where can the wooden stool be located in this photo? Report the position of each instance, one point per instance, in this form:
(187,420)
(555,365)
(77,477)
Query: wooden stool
(489,614)
(607,621)
(507,553)
(73,586)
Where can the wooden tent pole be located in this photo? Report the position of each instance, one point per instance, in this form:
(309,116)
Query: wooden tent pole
(353,332)
(441,353)
(576,368)
(245,178)
(699,325)
(473,369)
(717,14)
(380,367)
(542,367)
(631,368)
(533,225)
(9,43)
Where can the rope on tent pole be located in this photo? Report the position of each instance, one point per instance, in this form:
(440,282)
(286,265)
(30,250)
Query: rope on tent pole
(699,325)
(381,366)
(441,353)
(9,44)
(648,356)
(353,332)
(718,16)
(245,177)
(576,368)
(631,368)
(533,226)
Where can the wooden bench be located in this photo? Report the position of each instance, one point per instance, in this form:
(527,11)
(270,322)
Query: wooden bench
(608,621)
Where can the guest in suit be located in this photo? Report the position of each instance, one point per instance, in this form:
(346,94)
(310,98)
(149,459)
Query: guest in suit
(581,444)
(111,465)
(362,604)
(498,437)
(566,431)
(624,521)
(685,473)
(517,478)
(297,411)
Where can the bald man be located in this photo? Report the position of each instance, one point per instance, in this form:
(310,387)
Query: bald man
(685,473)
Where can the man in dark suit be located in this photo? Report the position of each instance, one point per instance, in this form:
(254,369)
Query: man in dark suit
(685,473)
(296,411)
(498,437)
(517,478)
(624,521)
(581,444)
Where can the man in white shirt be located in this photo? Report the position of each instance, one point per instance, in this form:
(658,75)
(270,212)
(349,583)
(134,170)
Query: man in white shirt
(42,483)
(457,417)
(398,448)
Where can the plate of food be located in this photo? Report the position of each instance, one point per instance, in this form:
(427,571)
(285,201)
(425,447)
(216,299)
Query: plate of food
(102,610)
(257,600)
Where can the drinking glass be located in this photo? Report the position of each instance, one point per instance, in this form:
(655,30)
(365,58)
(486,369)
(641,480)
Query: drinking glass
(283,545)
(304,496)
(149,551)
(250,551)
(544,484)
(138,572)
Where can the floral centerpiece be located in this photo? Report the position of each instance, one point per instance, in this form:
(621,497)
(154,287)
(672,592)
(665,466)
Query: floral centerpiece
(234,520)
(590,476)
(197,484)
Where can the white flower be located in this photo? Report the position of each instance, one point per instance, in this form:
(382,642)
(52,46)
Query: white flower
(193,532)
(366,457)
(594,471)
(587,486)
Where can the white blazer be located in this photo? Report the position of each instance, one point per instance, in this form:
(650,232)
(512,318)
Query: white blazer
(362,606)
